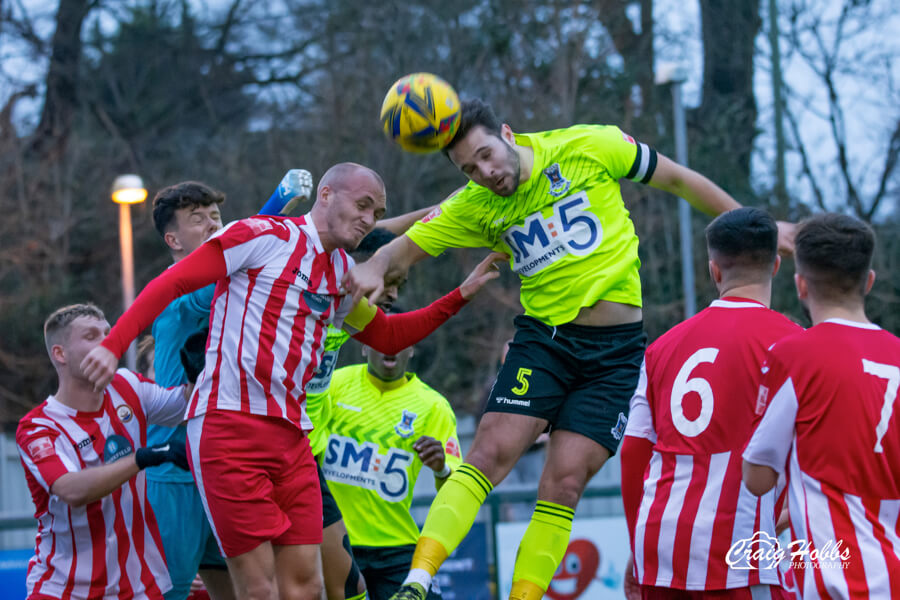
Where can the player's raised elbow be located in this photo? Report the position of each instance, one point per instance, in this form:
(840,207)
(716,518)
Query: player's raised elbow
(758,479)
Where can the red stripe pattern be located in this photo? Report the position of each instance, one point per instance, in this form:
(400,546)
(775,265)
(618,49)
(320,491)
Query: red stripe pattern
(268,321)
(832,426)
(695,402)
(110,547)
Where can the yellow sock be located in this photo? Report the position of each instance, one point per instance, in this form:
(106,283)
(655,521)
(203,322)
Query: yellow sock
(525,590)
(451,516)
(542,549)
(361,596)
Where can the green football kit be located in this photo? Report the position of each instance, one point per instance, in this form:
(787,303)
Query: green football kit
(371,467)
(572,243)
(566,228)
(369,461)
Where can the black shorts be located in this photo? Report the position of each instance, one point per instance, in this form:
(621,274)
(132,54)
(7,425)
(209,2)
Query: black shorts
(577,377)
(331,514)
(385,568)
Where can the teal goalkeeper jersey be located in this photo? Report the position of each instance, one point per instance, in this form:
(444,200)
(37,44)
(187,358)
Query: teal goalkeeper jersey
(566,228)
(369,461)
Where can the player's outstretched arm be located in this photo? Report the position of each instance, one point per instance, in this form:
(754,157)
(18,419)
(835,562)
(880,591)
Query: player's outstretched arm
(78,488)
(698,190)
(390,334)
(391,261)
(706,196)
(203,266)
(399,224)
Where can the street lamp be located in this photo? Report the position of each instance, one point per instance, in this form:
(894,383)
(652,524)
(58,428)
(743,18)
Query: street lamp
(127,190)
(676,75)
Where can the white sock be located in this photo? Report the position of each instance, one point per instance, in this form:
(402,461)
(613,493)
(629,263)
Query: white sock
(420,576)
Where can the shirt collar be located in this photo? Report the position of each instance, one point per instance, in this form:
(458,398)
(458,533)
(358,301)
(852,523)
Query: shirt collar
(736,302)
(311,232)
(850,323)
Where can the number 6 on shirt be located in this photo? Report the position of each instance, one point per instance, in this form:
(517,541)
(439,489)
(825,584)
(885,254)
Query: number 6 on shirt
(682,386)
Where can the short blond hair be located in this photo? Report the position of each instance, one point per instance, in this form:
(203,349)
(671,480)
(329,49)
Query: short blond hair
(56,326)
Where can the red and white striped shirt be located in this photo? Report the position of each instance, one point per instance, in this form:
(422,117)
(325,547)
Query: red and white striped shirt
(109,548)
(831,425)
(695,402)
(269,316)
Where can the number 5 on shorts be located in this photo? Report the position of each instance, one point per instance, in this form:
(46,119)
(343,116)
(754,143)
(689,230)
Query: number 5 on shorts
(522,378)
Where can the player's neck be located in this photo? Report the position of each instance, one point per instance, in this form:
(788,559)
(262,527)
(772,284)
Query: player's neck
(385,385)
(78,394)
(526,162)
(820,312)
(758,292)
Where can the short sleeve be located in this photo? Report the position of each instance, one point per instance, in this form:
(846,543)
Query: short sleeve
(46,453)
(771,442)
(622,155)
(640,417)
(162,406)
(449,226)
(443,428)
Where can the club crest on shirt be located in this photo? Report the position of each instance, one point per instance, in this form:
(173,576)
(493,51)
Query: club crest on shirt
(619,430)
(405,427)
(115,448)
(124,413)
(559,185)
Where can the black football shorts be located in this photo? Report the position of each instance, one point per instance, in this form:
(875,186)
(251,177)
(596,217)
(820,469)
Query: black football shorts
(578,377)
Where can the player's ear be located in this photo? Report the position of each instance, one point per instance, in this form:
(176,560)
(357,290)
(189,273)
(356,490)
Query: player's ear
(870,281)
(777,265)
(172,241)
(58,354)
(323,197)
(507,134)
(802,286)
(715,273)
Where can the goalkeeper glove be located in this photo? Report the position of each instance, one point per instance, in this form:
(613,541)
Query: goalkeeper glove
(162,453)
(193,354)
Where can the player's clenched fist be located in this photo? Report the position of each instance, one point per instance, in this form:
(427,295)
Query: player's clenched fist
(431,452)
(366,279)
(99,366)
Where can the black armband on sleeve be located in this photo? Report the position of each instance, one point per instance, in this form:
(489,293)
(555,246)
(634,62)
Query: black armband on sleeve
(644,164)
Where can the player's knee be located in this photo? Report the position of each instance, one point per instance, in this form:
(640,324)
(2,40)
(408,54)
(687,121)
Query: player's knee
(492,460)
(562,488)
(258,588)
(307,590)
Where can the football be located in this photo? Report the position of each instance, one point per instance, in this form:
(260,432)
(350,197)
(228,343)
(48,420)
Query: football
(420,112)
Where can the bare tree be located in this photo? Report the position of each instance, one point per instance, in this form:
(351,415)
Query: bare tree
(842,108)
